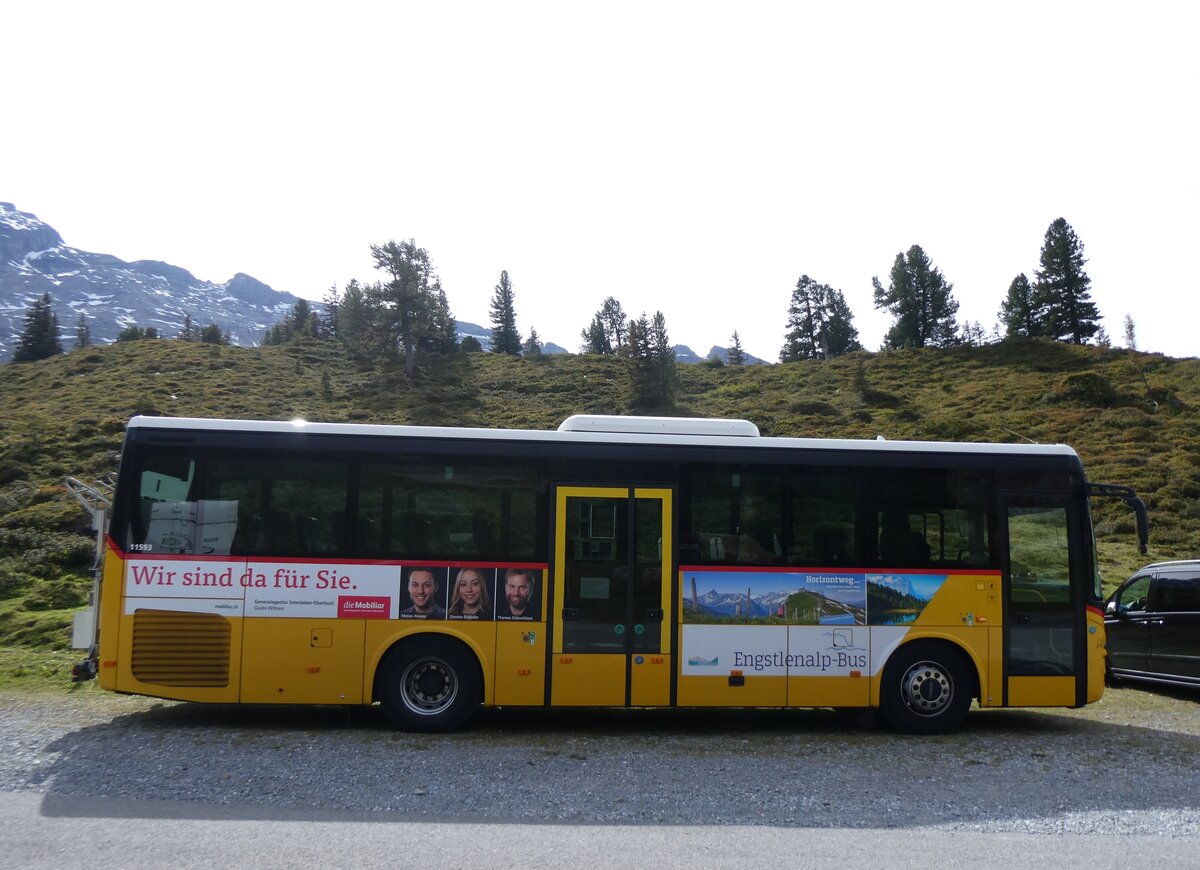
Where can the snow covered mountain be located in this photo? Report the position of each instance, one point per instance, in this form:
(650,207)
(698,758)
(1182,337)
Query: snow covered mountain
(114,294)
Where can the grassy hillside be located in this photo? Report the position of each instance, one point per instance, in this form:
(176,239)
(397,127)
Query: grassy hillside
(1134,418)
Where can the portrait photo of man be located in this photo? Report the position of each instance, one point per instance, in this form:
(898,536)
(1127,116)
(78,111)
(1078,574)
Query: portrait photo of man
(520,595)
(424,591)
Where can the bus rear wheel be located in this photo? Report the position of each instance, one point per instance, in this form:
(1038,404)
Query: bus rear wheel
(926,689)
(429,684)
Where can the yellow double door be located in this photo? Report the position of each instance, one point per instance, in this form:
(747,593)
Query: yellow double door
(612,597)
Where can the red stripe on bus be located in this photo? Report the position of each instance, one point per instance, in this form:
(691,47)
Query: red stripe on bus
(800,569)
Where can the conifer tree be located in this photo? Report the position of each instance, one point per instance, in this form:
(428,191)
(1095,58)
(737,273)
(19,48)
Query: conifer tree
(652,361)
(734,354)
(441,330)
(804,322)
(329,323)
(532,346)
(838,334)
(404,305)
(1061,288)
(820,325)
(595,339)
(298,323)
(1018,311)
(188,331)
(666,372)
(608,331)
(39,336)
(355,320)
(921,301)
(642,378)
(212,334)
(505,338)
(612,315)
(1130,333)
(133,332)
(83,333)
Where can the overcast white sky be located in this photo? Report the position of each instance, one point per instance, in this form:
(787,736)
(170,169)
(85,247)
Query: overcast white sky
(694,158)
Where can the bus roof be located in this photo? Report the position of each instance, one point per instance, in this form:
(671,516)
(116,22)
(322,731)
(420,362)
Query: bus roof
(593,429)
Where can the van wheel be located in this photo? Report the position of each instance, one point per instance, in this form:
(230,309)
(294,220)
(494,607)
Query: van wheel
(926,689)
(429,684)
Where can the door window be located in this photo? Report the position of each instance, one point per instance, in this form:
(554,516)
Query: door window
(1041,622)
(1133,598)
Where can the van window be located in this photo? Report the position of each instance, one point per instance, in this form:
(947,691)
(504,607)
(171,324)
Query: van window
(1178,594)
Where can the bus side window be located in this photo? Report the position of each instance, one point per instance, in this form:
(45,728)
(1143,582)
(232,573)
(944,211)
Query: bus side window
(823,505)
(164,520)
(734,517)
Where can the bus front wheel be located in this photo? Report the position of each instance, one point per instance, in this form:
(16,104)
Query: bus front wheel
(926,689)
(429,684)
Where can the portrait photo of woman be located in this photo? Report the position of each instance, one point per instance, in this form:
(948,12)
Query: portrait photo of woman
(470,597)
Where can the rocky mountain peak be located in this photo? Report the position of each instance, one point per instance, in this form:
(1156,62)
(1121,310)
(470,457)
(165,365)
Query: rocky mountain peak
(113,294)
(22,233)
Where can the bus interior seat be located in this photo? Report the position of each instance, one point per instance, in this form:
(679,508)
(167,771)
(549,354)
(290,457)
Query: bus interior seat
(829,543)
(337,522)
(481,531)
(306,534)
(368,535)
(899,544)
(279,532)
(248,536)
(417,533)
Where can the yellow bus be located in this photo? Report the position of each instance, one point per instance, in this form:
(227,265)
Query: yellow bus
(615,562)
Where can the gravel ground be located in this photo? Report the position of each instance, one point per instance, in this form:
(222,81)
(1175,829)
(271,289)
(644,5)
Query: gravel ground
(1125,766)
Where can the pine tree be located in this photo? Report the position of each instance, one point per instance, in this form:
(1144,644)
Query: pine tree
(505,338)
(643,381)
(332,300)
(298,323)
(441,331)
(1062,287)
(188,331)
(404,305)
(355,320)
(83,333)
(595,339)
(973,334)
(838,334)
(1018,311)
(652,364)
(212,334)
(613,316)
(920,300)
(1130,333)
(734,354)
(820,325)
(666,373)
(532,346)
(804,322)
(39,336)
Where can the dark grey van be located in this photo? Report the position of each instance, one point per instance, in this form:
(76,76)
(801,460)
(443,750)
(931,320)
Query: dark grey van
(1153,625)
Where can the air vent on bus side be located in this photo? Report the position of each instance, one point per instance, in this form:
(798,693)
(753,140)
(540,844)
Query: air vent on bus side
(181,649)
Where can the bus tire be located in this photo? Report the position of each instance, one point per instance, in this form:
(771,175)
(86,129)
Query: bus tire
(429,684)
(926,688)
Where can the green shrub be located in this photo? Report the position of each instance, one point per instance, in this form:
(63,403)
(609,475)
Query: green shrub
(61,594)
(1088,389)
